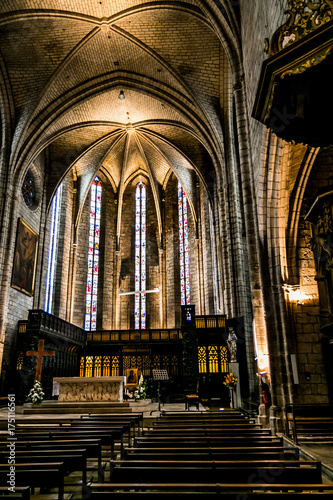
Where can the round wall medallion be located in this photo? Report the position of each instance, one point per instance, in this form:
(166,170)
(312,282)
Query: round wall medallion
(29,190)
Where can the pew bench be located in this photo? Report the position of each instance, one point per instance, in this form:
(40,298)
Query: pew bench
(246,427)
(21,493)
(117,431)
(137,417)
(264,453)
(107,437)
(37,475)
(128,426)
(73,460)
(215,464)
(206,431)
(308,419)
(208,441)
(153,491)
(125,429)
(221,488)
(222,474)
(93,449)
(177,414)
(202,421)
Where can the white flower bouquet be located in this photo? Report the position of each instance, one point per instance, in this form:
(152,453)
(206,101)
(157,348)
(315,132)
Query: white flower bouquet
(140,392)
(36,394)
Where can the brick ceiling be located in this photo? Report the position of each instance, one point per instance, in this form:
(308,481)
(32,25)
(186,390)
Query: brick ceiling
(66,62)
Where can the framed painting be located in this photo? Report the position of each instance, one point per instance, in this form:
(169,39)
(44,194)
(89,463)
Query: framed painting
(132,377)
(25,259)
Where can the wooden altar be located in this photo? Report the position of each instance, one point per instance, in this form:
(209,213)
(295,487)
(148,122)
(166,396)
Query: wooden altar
(87,389)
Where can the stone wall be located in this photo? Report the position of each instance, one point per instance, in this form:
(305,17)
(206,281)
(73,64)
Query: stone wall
(306,313)
(19,303)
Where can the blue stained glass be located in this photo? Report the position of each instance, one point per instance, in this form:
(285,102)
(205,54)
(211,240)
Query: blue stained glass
(140,257)
(93,254)
(214,264)
(184,260)
(53,250)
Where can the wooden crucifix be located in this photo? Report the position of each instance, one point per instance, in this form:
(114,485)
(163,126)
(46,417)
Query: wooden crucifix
(40,355)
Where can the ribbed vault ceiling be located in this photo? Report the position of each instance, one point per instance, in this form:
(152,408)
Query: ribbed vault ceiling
(65,63)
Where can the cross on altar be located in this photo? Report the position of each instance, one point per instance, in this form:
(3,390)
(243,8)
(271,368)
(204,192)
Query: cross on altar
(40,355)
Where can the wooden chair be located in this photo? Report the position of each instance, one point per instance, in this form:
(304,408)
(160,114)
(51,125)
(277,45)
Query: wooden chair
(192,399)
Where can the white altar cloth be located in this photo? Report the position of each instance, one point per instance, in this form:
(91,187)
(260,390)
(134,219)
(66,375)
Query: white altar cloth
(90,388)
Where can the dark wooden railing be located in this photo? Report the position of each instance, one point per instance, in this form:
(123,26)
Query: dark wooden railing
(210,322)
(41,321)
(134,335)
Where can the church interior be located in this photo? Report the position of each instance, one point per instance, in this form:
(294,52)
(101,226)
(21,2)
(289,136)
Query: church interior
(166,194)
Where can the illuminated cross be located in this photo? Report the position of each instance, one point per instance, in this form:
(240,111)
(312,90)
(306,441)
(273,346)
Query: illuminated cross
(40,355)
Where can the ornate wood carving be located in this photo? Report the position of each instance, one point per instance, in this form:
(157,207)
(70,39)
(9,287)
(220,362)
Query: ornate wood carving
(294,91)
(304,17)
(321,218)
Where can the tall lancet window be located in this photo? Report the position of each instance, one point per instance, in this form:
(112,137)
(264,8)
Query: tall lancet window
(53,250)
(93,254)
(214,263)
(183,247)
(140,257)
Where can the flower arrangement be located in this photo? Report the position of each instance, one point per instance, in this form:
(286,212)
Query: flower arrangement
(36,394)
(230,381)
(140,392)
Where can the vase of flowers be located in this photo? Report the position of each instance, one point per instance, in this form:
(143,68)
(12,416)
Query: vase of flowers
(36,394)
(230,381)
(140,392)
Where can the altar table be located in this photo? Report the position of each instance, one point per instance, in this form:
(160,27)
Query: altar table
(90,388)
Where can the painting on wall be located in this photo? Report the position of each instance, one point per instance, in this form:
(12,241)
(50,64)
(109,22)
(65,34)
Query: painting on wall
(25,258)
(132,377)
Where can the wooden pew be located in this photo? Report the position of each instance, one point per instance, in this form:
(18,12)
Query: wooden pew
(189,432)
(210,441)
(21,493)
(126,428)
(137,417)
(307,419)
(37,475)
(206,415)
(175,414)
(249,453)
(206,421)
(246,427)
(132,423)
(107,437)
(154,491)
(214,464)
(93,448)
(222,474)
(73,460)
(118,431)
(41,421)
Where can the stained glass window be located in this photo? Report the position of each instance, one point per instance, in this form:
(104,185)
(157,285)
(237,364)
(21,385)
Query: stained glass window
(53,250)
(214,263)
(140,257)
(93,255)
(29,189)
(183,247)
